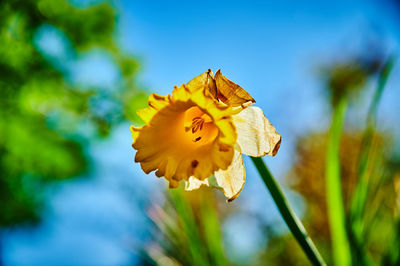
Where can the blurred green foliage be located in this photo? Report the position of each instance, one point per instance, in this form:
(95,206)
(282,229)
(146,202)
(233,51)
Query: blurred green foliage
(188,230)
(345,78)
(45,119)
(305,177)
(368,172)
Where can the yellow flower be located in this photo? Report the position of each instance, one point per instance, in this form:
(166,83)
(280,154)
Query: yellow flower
(200,132)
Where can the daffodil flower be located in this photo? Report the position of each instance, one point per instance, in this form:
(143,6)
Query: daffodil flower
(198,134)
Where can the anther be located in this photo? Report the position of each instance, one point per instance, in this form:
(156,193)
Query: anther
(197,123)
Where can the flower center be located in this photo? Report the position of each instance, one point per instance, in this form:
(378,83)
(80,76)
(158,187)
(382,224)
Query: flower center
(199,127)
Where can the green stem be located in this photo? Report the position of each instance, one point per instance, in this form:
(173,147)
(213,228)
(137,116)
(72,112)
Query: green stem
(340,244)
(292,221)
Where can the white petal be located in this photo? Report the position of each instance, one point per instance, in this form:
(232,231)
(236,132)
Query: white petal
(231,180)
(194,183)
(256,135)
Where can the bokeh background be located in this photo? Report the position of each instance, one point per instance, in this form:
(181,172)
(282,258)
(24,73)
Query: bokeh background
(73,73)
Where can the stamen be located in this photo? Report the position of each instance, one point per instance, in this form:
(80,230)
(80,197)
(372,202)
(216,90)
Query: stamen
(197,123)
(197,139)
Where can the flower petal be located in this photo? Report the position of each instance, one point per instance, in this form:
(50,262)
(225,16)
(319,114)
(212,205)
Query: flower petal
(155,102)
(229,181)
(204,80)
(256,135)
(231,93)
(194,183)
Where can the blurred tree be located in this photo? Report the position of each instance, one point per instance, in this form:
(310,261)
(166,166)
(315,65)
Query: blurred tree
(41,111)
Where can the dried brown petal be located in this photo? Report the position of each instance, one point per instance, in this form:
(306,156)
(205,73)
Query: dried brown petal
(204,80)
(231,93)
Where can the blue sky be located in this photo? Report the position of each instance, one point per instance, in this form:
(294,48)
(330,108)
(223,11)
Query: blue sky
(271,49)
